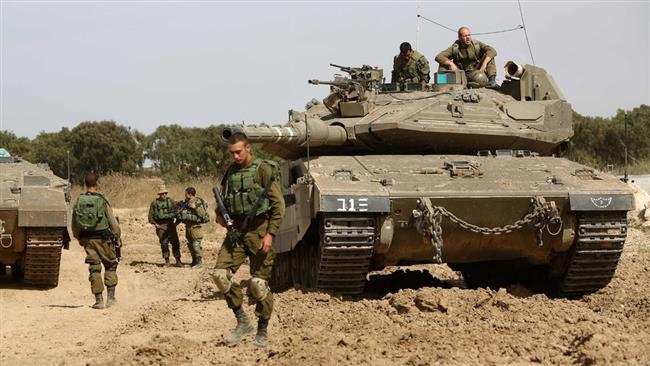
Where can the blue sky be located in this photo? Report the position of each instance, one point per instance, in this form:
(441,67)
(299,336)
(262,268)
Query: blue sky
(197,63)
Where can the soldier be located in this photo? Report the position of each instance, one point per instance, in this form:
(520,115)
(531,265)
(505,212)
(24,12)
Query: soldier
(249,182)
(193,213)
(475,57)
(96,228)
(410,66)
(162,212)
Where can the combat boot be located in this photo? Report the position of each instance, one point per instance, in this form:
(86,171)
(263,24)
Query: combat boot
(99,301)
(492,83)
(199,263)
(178,262)
(261,338)
(243,328)
(111,297)
(167,263)
(193,261)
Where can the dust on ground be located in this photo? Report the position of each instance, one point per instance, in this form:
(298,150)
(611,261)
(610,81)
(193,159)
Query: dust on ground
(419,315)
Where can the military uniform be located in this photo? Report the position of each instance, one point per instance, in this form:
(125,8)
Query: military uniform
(413,69)
(162,213)
(469,59)
(193,218)
(242,186)
(98,244)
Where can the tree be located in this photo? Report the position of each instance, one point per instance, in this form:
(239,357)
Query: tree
(105,147)
(17,146)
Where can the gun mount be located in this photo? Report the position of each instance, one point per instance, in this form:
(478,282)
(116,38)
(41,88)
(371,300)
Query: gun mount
(349,95)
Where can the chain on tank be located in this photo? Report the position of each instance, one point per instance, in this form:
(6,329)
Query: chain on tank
(429,218)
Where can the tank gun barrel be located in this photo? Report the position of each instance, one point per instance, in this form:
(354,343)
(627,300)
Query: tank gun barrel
(295,133)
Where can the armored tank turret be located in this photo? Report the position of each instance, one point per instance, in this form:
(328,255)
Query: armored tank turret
(389,174)
(33,220)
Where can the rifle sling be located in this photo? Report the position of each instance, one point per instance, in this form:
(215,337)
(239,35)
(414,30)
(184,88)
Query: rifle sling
(253,211)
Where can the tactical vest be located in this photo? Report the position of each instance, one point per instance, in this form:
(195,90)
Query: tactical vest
(188,215)
(243,189)
(455,51)
(163,209)
(90,212)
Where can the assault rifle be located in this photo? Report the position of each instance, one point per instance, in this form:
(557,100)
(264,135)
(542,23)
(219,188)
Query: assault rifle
(233,233)
(117,242)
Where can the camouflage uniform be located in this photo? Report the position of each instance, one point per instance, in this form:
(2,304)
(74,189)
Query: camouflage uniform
(468,58)
(232,256)
(413,69)
(99,248)
(161,212)
(193,218)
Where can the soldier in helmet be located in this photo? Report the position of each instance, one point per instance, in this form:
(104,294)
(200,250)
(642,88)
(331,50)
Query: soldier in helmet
(193,214)
(96,228)
(410,66)
(248,181)
(474,57)
(162,212)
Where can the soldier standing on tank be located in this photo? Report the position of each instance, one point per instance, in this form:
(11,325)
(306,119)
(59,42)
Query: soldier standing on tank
(245,184)
(162,212)
(97,229)
(474,57)
(193,213)
(410,66)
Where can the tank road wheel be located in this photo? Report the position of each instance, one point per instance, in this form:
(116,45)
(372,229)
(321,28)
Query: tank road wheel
(281,276)
(305,259)
(17,271)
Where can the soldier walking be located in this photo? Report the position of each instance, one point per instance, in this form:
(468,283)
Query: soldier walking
(193,213)
(96,228)
(248,183)
(162,212)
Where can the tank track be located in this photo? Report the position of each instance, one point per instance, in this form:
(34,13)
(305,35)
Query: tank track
(346,250)
(598,247)
(43,258)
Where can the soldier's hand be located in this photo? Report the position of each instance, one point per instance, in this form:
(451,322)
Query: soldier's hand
(452,66)
(193,206)
(266,243)
(157,226)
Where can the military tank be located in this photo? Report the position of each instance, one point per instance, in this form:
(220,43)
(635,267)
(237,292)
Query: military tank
(383,175)
(33,220)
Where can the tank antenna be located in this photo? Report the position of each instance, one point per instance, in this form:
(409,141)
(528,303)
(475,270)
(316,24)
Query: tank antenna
(625,176)
(417,27)
(525,32)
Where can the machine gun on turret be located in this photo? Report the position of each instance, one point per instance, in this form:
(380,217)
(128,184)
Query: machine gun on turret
(349,95)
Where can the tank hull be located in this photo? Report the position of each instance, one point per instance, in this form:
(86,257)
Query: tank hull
(485,200)
(34,211)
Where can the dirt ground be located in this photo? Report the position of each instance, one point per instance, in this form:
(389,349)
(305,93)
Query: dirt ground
(175,316)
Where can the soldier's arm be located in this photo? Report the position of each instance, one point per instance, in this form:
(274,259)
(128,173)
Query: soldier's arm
(444,57)
(74,226)
(200,209)
(394,75)
(424,69)
(276,199)
(488,54)
(112,221)
(151,209)
(488,51)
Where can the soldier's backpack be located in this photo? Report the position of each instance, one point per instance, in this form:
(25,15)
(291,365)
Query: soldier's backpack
(89,212)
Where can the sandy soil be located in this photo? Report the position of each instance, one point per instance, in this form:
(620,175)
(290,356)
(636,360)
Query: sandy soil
(173,316)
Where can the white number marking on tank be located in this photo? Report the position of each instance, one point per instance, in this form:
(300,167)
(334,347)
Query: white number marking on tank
(362,204)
